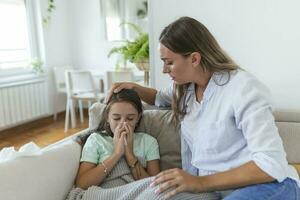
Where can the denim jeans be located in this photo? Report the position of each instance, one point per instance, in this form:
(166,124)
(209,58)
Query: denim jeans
(286,190)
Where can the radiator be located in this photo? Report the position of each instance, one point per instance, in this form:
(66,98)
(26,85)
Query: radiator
(23,102)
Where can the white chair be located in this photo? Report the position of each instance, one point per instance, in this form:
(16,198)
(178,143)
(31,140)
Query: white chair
(60,84)
(80,86)
(117,76)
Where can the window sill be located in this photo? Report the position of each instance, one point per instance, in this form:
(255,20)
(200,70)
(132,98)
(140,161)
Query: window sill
(21,79)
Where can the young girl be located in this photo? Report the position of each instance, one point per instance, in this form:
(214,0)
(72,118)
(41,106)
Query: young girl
(114,140)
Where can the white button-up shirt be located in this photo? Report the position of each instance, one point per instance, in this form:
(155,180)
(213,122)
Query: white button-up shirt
(232,125)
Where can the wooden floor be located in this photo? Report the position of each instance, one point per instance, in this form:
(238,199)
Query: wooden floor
(42,132)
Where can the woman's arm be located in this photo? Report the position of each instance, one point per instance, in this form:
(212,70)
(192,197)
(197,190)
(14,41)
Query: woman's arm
(146,94)
(90,174)
(247,174)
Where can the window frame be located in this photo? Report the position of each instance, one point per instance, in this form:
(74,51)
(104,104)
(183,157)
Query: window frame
(33,42)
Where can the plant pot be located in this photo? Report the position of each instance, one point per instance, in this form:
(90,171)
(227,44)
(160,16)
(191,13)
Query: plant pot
(123,69)
(144,66)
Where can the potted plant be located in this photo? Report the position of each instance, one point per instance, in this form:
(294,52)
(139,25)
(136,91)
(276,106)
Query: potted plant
(136,51)
(36,66)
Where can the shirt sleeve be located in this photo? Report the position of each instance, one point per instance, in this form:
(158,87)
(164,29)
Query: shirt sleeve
(90,151)
(186,158)
(152,152)
(253,115)
(163,97)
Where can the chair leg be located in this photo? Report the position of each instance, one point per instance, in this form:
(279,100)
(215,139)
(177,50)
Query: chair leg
(80,110)
(67,115)
(55,116)
(54,106)
(73,116)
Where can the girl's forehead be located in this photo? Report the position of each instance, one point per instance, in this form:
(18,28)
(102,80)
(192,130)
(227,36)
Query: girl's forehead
(123,107)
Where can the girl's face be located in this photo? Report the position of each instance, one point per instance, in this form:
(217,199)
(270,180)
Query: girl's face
(181,69)
(121,112)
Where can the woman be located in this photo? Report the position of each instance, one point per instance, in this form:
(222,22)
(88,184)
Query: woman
(229,138)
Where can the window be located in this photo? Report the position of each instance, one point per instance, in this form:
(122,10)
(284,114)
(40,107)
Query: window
(15,52)
(116,12)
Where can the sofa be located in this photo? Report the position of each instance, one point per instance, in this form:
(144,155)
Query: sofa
(51,174)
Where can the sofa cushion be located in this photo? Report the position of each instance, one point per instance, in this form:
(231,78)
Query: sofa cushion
(297,166)
(157,123)
(286,116)
(160,125)
(48,176)
(290,134)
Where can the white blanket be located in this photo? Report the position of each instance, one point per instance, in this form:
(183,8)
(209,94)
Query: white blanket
(120,185)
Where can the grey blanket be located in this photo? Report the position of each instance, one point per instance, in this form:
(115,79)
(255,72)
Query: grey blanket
(120,185)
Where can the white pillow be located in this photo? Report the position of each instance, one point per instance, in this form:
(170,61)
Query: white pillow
(29,149)
(48,176)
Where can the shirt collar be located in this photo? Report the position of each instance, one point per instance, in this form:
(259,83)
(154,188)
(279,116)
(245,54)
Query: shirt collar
(211,86)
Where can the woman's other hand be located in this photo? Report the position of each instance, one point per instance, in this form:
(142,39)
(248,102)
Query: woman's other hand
(116,87)
(176,181)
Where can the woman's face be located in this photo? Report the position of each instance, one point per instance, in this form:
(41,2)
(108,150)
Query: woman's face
(121,112)
(180,68)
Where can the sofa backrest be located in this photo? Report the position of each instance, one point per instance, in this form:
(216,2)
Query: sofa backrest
(288,124)
(159,124)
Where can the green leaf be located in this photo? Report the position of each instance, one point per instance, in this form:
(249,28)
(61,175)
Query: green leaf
(136,50)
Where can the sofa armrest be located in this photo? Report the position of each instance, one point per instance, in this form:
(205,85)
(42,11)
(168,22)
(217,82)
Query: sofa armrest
(48,176)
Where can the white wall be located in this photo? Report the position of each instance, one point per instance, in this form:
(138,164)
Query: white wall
(75,36)
(262,36)
(55,45)
(89,47)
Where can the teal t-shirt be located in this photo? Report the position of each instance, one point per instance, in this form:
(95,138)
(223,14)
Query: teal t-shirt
(98,148)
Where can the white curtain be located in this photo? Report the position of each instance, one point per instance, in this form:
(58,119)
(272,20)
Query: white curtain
(20,2)
(14,44)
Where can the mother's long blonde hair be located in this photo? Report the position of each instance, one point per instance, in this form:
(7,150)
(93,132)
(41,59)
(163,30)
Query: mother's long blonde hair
(185,36)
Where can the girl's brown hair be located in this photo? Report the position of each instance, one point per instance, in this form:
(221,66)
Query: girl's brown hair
(185,36)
